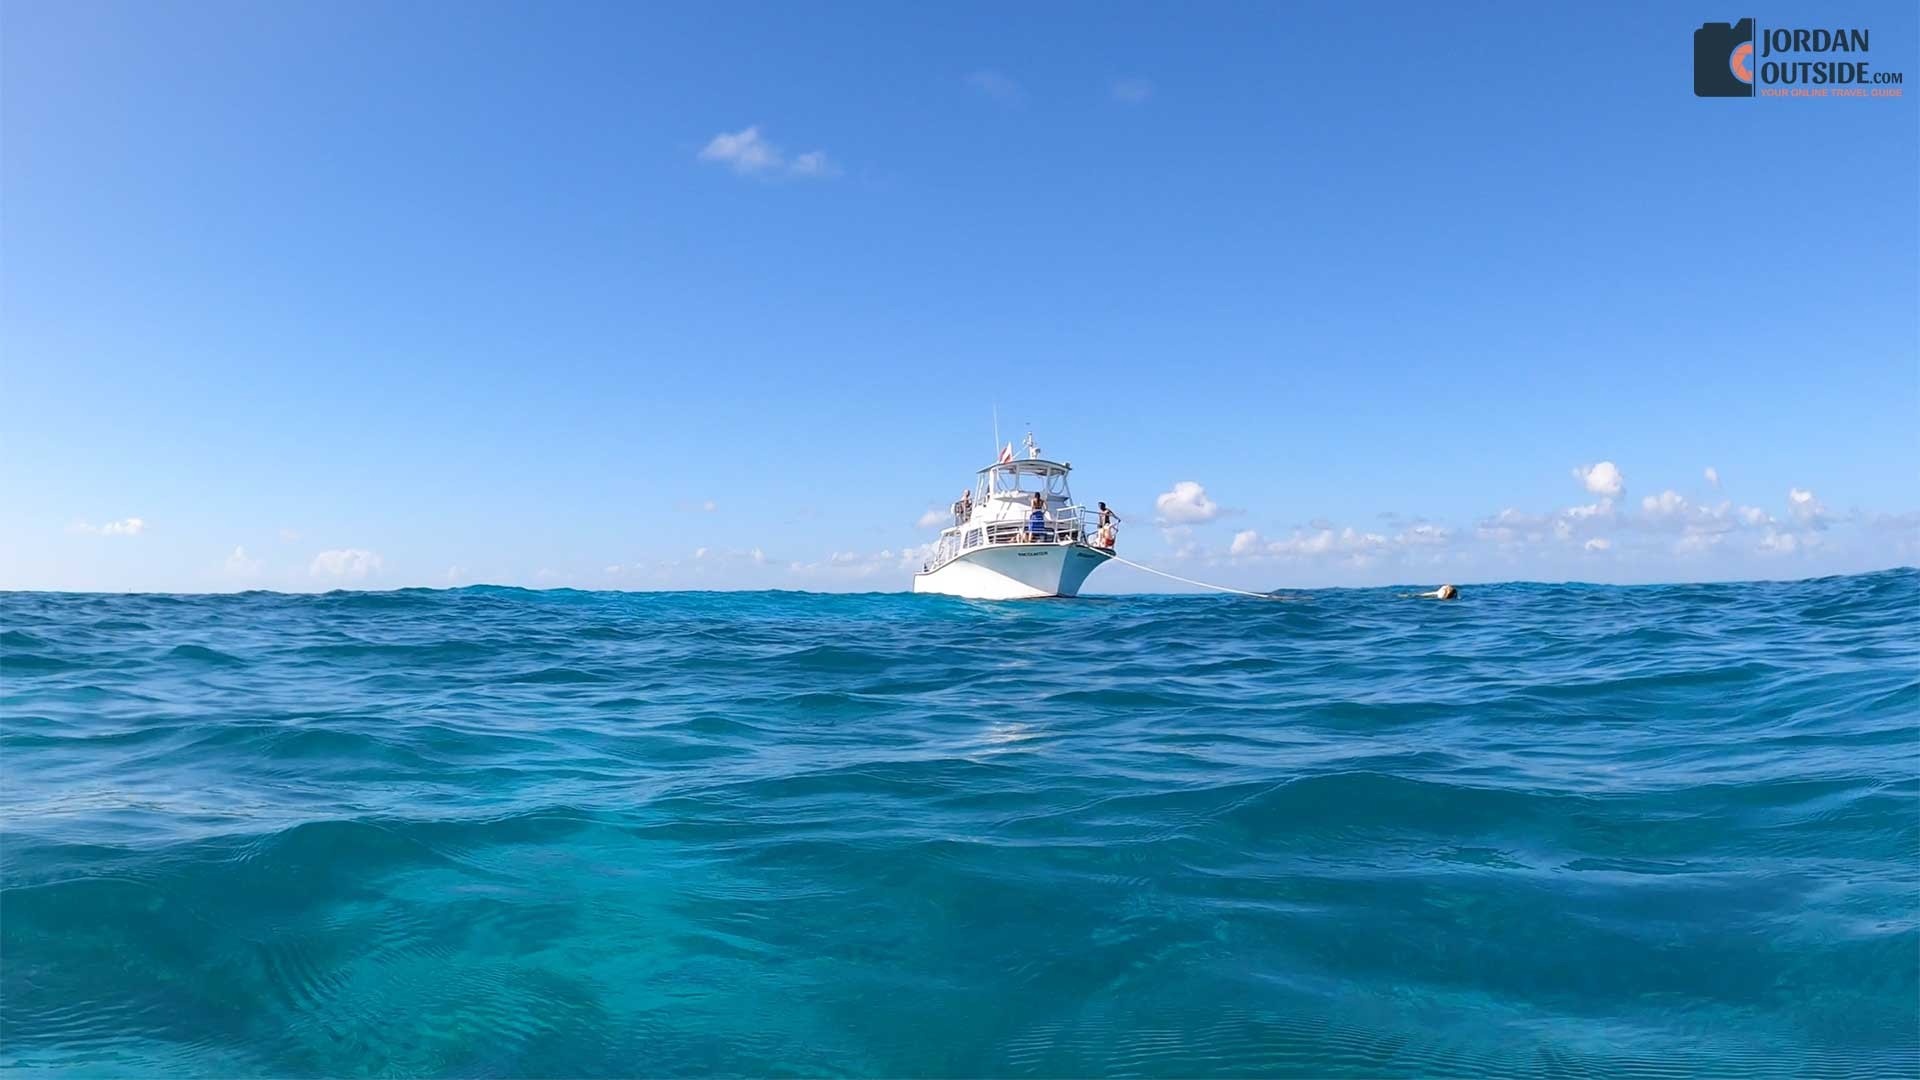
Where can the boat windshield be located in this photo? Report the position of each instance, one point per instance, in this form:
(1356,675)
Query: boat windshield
(1026,478)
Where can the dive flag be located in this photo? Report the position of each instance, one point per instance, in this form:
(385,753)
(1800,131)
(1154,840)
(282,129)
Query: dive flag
(1007,454)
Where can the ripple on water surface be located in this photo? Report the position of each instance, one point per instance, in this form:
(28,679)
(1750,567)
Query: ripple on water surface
(1558,830)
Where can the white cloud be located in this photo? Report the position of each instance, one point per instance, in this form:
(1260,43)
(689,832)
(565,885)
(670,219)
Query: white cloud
(1668,503)
(241,565)
(455,573)
(346,564)
(1132,91)
(743,151)
(1329,541)
(1510,526)
(1805,508)
(132,526)
(1325,541)
(1602,479)
(934,517)
(1693,543)
(705,506)
(996,85)
(1713,475)
(748,153)
(1693,528)
(1424,535)
(288,536)
(1186,504)
(859,565)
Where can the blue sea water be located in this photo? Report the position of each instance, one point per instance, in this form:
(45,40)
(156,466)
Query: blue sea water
(1544,830)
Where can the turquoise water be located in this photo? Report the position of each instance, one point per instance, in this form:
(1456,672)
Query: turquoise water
(1546,830)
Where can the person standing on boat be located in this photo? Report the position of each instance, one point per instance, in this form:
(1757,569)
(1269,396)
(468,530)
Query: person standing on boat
(1108,519)
(1037,521)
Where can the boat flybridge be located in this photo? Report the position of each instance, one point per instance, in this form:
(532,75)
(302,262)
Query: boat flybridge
(1017,534)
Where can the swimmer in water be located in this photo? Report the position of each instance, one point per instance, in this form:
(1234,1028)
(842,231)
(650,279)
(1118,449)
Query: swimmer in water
(1444,592)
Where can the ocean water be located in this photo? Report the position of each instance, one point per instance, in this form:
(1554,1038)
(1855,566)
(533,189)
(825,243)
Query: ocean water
(1544,830)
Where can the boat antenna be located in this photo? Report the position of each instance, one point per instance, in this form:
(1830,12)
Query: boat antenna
(996,429)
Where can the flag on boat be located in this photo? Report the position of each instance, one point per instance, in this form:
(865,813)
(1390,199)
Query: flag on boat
(1007,454)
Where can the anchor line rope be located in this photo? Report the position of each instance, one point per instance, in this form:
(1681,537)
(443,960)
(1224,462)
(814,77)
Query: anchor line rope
(1189,581)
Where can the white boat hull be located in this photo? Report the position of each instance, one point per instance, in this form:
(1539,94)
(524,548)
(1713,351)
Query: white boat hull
(1013,572)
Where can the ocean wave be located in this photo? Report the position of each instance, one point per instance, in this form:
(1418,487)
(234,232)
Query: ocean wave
(1556,829)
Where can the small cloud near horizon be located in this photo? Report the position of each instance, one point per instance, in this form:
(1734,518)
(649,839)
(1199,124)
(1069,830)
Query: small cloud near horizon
(1132,91)
(241,565)
(345,564)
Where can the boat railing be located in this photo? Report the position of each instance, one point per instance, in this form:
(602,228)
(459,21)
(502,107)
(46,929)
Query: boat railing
(1067,525)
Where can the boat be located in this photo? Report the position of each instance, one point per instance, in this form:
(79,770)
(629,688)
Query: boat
(1004,546)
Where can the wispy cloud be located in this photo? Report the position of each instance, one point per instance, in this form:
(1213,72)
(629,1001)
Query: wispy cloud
(813,163)
(1132,91)
(132,526)
(934,517)
(748,153)
(345,564)
(996,85)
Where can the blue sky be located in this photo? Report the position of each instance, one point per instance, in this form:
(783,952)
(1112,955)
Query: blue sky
(301,296)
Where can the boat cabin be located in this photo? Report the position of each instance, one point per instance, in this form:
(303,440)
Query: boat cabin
(1006,490)
(1002,510)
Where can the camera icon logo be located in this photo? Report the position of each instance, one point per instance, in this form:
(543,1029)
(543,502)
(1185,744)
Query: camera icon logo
(1723,59)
